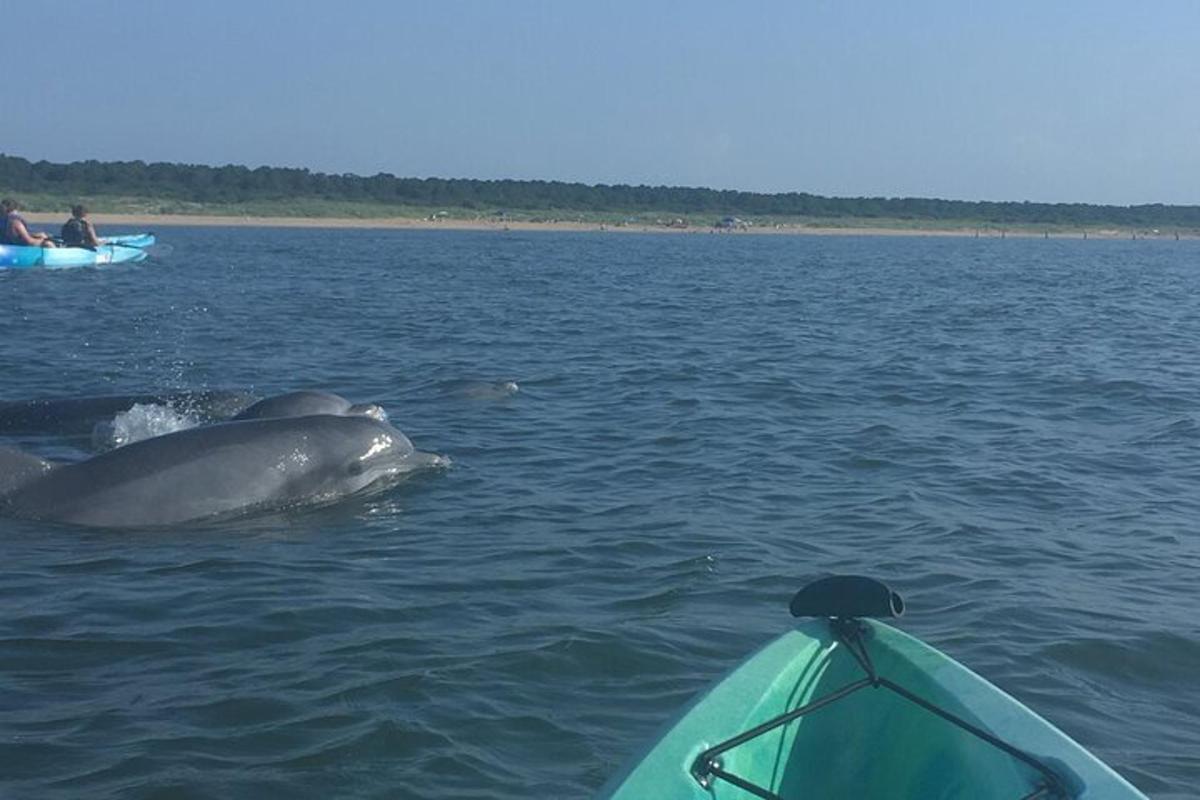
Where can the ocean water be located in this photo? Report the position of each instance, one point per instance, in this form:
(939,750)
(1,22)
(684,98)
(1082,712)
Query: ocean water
(1008,431)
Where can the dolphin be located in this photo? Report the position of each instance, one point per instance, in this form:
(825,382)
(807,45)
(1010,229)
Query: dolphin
(470,389)
(216,470)
(143,421)
(73,416)
(306,403)
(18,468)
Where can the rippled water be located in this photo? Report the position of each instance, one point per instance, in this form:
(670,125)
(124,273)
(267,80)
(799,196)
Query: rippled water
(1008,431)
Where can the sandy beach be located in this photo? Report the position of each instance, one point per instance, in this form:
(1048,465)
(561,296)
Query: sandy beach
(141,222)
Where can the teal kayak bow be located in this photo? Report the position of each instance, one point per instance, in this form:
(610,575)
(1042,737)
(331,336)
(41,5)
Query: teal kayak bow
(849,707)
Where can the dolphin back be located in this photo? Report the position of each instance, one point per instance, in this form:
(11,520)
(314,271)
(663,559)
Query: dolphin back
(295,404)
(18,468)
(73,416)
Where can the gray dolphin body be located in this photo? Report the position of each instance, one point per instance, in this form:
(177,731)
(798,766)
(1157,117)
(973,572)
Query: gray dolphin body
(306,403)
(154,420)
(18,468)
(478,390)
(78,415)
(217,470)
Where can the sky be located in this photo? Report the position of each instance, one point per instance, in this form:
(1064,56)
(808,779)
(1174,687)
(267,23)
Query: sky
(1063,101)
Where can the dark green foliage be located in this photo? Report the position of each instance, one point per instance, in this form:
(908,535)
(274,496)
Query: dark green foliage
(191,183)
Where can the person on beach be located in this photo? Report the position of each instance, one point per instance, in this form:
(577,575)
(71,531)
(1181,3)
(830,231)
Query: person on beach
(16,230)
(79,231)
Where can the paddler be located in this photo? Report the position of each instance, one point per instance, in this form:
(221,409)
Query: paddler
(79,231)
(16,230)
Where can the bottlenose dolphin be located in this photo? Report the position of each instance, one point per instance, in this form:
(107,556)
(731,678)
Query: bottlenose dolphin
(306,403)
(74,416)
(143,421)
(470,389)
(216,470)
(18,468)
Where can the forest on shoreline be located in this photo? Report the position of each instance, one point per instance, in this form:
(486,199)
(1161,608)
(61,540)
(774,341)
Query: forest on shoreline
(192,188)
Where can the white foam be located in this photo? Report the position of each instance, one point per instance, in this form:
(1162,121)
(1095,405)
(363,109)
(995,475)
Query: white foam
(140,422)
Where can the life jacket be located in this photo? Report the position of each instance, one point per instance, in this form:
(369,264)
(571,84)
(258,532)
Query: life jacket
(74,233)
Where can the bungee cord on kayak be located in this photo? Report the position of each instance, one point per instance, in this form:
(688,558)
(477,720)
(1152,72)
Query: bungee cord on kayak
(843,599)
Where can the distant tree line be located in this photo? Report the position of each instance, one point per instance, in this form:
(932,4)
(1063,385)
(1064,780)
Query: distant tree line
(235,184)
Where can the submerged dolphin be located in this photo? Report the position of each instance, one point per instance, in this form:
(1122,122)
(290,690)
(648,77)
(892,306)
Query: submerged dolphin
(470,389)
(18,468)
(215,470)
(79,415)
(305,403)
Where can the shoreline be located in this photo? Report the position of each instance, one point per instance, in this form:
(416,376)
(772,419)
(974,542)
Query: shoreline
(150,221)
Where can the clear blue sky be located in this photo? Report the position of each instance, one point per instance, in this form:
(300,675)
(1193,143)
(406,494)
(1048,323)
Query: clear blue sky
(1043,101)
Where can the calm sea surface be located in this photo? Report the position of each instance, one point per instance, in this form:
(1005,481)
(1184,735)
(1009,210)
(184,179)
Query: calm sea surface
(1008,431)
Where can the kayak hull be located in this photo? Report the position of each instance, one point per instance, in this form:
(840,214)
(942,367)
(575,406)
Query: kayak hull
(115,250)
(872,743)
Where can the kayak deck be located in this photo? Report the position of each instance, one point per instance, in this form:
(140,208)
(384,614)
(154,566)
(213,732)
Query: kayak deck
(871,743)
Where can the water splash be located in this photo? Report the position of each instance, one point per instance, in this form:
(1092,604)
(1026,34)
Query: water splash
(138,423)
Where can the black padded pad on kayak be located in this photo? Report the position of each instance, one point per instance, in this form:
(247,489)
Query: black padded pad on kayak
(847,596)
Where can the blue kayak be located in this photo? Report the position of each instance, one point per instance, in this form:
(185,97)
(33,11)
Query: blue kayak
(115,250)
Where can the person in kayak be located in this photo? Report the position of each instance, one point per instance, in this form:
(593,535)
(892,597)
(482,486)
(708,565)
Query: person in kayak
(79,231)
(16,230)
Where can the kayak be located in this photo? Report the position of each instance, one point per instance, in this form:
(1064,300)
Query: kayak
(848,707)
(21,257)
(142,240)
(115,250)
